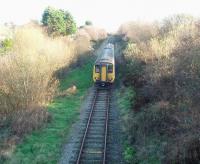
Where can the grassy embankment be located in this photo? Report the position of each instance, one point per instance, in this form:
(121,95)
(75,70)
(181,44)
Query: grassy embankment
(44,146)
(126,98)
(28,84)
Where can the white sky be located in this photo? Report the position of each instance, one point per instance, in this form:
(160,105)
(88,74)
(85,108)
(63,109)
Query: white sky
(108,14)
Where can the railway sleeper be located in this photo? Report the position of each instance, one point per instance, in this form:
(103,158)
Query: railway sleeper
(99,118)
(99,129)
(98,124)
(95,137)
(101,104)
(99,133)
(94,141)
(97,121)
(93,150)
(92,156)
(97,111)
(94,145)
(91,161)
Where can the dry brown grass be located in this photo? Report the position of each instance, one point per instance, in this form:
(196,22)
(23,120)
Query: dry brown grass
(164,68)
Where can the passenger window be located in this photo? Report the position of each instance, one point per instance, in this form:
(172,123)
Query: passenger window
(97,68)
(110,68)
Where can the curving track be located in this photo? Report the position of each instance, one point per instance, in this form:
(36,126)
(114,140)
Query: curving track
(94,141)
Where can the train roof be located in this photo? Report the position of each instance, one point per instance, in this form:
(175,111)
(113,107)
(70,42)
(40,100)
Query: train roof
(107,56)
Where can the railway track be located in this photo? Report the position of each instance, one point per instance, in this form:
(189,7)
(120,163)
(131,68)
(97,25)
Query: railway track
(93,147)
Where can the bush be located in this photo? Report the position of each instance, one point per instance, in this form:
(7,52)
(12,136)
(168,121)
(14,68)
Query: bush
(163,66)
(88,23)
(58,22)
(6,46)
(84,39)
(129,154)
(27,73)
(24,122)
(138,31)
(93,33)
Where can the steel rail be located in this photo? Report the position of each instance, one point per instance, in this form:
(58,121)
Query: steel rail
(87,127)
(106,127)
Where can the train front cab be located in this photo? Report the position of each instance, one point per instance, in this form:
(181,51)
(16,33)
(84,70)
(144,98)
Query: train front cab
(104,74)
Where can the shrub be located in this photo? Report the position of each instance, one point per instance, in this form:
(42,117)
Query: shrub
(27,73)
(58,22)
(83,39)
(93,33)
(129,154)
(138,31)
(24,122)
(82,42)
(163,66)
(7,44)
(88,23)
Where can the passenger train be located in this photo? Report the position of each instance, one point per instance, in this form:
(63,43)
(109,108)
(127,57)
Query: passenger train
(104,67)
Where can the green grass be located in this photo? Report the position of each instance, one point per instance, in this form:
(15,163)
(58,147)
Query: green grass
(45,145)
(129,153)
(125,99)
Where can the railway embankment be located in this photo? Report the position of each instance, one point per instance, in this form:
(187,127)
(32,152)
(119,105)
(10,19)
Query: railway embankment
(45,145)
(43,80)
(160,89)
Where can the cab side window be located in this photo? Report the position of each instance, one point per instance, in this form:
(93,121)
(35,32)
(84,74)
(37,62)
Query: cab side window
(110,68)
(97,68)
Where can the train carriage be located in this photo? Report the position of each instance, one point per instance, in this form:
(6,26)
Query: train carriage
(104,68)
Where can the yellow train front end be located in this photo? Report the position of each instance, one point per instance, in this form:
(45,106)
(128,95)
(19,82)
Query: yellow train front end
(104,73)
(104,67)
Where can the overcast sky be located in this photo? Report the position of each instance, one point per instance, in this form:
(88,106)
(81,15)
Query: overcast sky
(108,14)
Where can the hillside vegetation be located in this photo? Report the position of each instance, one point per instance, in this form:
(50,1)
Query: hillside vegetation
(29,78)
(45,145)
(163,70)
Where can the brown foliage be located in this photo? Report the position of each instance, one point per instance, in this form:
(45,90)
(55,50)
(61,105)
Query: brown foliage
(24,122)
(28,80)
(167,86)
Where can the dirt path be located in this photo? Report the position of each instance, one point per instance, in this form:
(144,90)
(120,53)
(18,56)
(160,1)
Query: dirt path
(114,154)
